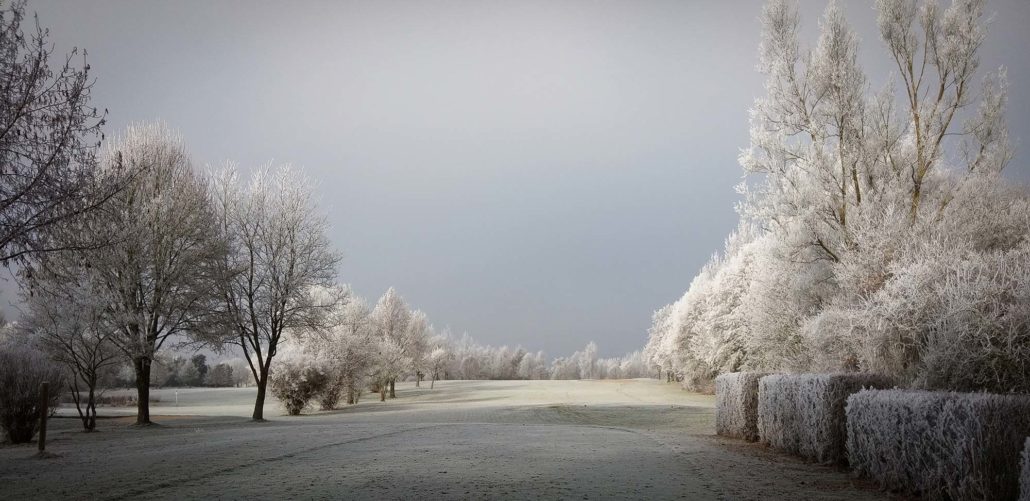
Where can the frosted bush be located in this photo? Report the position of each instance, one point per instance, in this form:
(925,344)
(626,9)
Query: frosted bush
(736,405)
(331,392)
(295,382)
(804,414)
(941,445)
(22,371)
(981,337)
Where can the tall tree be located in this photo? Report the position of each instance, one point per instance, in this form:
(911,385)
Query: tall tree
(49,135)
(857,242)
(282,263)
(935,53)
(157,279)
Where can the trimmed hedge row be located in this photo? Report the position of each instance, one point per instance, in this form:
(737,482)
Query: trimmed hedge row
(736,405)
(939,444)
(804,414)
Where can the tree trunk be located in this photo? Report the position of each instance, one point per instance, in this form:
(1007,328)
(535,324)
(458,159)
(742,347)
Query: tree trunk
(418,377)
(382,393)
(393,388)
(433,382)
(142,367)
(350,393)
(259,404)
(90,422)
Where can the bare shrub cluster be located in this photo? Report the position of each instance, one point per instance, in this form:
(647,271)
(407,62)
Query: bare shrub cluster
(22,373)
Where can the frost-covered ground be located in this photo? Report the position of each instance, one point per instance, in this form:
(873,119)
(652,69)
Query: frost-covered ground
(465,439)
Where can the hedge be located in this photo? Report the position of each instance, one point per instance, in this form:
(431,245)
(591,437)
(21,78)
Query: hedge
(736,404)
(803,414)
(941,445)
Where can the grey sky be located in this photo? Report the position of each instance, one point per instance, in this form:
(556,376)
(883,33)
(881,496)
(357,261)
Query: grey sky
(542,173)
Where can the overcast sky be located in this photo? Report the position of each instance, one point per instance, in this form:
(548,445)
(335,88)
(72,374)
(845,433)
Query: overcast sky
(542,173)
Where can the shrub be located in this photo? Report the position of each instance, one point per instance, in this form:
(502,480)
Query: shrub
(21,373)
(295,383)
(939,444)
(329,397)
(736,405)
(803,414)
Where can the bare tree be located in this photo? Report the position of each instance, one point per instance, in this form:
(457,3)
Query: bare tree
(69,326)
(282,263)
(49,134)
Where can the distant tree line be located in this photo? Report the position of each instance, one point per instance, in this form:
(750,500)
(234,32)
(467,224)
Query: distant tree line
(369,349)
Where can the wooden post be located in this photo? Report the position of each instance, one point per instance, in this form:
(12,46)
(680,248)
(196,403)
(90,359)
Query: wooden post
(44,399)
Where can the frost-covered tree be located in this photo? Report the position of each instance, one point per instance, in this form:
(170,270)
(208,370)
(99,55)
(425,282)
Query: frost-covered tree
(935,52)
(344,350)
(533,366)
(388,363)
(157,278)
(69,326)
(879,235)
(416,344)
(391,319)
(565,368)
(354,346)
(281,263)
(436,362)
(587,361)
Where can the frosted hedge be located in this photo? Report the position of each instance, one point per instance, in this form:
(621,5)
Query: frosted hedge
(736,404)
(804,414)
(942,445)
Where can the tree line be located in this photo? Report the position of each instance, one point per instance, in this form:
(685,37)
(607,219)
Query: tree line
(371,348)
